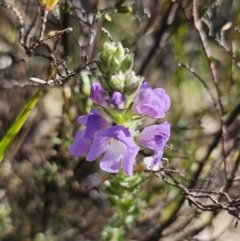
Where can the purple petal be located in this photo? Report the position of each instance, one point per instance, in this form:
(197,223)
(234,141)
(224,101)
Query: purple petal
(164,97)
(117,100)
(83,118)
(153,103)
(155,137)
(145,85)
(98,147)
(150,110)
(157,157)
(80,144)
(128,160)
(111,159)
(118,145)
(95,123)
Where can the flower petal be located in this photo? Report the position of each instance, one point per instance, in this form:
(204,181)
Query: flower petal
(80,145)
(118,144)
(98,147)
(111,159)
(98,94)
(155,137)
(129,159)
(153,103)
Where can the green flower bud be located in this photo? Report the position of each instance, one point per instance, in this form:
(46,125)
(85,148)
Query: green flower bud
(102,68)
(132,83)
(108,51)
(113,64)
(127,63)
(117,81)
(119,52)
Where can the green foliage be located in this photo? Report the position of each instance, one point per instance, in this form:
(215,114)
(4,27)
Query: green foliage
(128,206)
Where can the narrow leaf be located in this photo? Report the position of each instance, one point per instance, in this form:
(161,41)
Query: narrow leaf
(18,123)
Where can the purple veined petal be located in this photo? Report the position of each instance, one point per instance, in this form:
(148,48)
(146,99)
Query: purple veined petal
(94,124)
(155,136)
(112,157)
(98,147)
(124,135)
(129,159)
(83,118)
(158,154)
(80,144)
(117,145)
(101,142)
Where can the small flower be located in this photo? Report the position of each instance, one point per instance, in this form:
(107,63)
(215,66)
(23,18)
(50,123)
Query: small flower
(153,103)
(117,100)
(155,137)
(117,145)
(94,122)
(98,95)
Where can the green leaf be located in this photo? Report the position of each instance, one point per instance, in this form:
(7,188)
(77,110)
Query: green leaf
(18,123)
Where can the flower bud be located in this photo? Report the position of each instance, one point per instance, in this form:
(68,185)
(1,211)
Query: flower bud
(98,94)
(132,83)
(113,64)
(108,50)
(127,63)
(117,100)
(119,52)
(117,81)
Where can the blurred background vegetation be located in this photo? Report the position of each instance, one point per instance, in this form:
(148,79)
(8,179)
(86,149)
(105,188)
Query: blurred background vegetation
(191,49)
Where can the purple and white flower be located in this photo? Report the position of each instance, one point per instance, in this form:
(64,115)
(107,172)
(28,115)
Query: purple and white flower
(151,102)
(94,122)
(155,137)
(117,145)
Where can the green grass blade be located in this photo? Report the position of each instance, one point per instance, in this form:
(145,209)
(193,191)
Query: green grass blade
(18,123)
